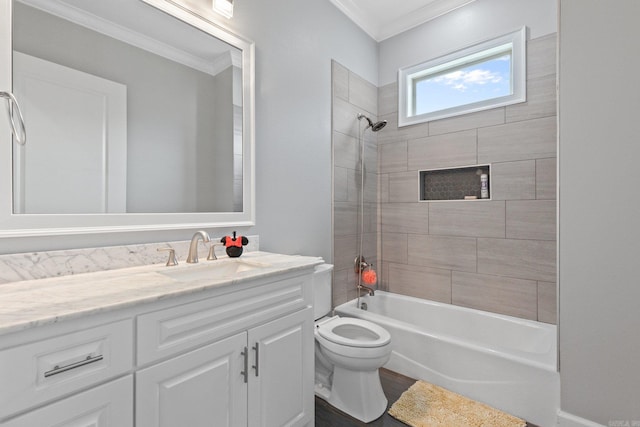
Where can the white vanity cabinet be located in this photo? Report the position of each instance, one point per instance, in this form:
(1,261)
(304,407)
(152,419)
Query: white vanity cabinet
(235,353)
(261,375)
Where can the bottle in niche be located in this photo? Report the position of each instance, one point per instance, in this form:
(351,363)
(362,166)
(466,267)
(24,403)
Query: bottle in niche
(484,186)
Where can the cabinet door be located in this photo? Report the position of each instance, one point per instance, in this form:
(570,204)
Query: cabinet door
(108,405)
(202,388)
(281,382)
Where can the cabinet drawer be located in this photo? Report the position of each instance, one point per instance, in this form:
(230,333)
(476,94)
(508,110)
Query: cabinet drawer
(41,371)
(108,405)
(177,329)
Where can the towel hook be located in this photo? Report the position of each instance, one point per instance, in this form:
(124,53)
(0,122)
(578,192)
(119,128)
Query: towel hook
(12,107)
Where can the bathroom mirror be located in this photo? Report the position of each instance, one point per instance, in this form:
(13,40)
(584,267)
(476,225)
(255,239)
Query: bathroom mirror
(139,116)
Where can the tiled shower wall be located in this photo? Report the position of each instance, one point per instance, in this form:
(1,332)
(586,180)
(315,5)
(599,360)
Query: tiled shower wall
(497,255)
(352,95)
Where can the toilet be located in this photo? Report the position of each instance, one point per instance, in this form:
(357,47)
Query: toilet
(348,354)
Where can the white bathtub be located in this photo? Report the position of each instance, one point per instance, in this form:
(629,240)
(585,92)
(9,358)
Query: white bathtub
(504,361)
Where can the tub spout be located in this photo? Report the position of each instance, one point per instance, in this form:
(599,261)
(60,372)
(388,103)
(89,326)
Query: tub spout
(370,291)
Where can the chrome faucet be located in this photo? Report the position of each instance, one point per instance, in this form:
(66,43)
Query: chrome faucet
(192,257)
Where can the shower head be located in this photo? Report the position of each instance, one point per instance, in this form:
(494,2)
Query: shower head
(375,127)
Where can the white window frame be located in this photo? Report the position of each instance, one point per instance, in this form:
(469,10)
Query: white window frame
(408,75)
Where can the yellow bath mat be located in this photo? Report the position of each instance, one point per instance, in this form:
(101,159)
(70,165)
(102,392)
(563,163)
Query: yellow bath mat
(427,405)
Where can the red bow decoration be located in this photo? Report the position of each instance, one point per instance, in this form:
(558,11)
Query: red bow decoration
(230,241)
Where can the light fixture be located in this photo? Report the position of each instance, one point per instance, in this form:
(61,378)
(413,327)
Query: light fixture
(224,7)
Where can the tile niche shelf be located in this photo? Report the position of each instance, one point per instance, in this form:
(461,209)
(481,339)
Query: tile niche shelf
(454,183)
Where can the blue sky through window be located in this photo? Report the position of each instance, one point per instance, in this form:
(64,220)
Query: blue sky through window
(465,85)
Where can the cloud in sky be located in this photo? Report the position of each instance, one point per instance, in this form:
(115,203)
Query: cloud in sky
(462,79)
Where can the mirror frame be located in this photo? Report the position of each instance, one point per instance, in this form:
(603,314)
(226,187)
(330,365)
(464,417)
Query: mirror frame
(23,225)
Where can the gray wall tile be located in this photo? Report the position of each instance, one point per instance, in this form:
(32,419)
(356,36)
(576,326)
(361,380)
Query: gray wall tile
(453,149)
(541,100)
(340,80)
(530,139)
(345,250)
(345,118)
(531,219)
(369,248)
(505,295)
(345,151)
(370,187)
(546,181)
(370,218)
(345,218)
(403,187)
(390,132)
(383,276)
(420,282)
(467,219)
(394,247)
(480,119)
(364,95)
(343,281)
(541,56)
(383,181)
(405,218)
(524,259)
(370,153)
(456,253)
(513,180)
(388,99)
(547,302)
(393,133)
(340,184)
(393,157)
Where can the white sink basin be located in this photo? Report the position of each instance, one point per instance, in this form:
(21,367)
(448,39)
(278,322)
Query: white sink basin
(212,270)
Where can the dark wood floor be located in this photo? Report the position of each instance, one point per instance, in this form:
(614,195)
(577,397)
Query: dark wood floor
(393,385)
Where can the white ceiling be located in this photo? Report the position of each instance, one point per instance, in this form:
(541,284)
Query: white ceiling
(382,19)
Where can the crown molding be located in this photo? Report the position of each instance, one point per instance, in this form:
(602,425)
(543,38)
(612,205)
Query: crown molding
(134,38)
(381,30)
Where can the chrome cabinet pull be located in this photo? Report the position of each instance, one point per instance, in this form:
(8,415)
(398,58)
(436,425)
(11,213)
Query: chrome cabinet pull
(12,107)
(245,373)
(257,349)
(60,369)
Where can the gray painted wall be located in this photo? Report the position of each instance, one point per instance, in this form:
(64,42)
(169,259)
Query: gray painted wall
(295,42)
(599,226)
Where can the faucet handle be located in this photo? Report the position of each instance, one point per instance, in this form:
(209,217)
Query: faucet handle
(172,256)
(212,251)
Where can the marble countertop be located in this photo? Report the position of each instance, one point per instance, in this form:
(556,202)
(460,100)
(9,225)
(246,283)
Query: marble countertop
(32,303)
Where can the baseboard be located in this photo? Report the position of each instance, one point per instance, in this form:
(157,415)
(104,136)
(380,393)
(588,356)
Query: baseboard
(566,419)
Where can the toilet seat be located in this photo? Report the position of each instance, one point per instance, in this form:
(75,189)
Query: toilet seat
(353,332)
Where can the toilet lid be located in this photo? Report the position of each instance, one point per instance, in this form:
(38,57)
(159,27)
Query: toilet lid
(354,332)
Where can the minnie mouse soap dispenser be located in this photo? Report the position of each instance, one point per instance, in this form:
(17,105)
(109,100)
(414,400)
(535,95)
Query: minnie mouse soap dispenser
(233,245)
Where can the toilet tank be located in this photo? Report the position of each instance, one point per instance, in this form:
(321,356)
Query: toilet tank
(322,290)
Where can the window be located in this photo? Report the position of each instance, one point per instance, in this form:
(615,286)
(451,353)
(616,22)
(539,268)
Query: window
(488,75)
